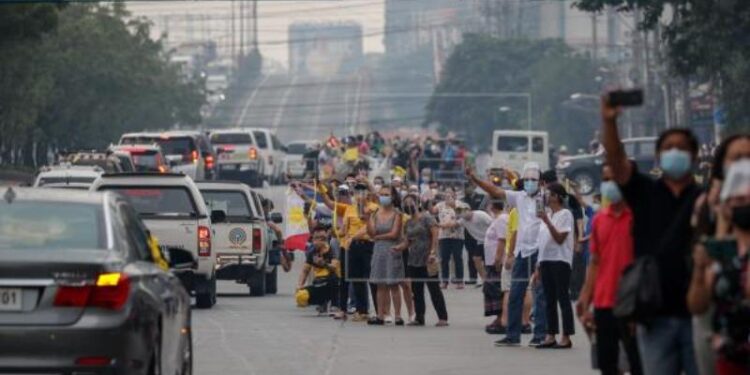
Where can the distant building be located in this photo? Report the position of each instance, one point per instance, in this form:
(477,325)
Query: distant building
(325,49)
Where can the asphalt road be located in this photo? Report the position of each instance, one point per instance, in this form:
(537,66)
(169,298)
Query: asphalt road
(270,335)
(303,107)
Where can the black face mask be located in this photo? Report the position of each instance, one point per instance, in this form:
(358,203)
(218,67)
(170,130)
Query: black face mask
(741,217)
(410,210)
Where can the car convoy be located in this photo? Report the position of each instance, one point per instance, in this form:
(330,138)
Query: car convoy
(102,254)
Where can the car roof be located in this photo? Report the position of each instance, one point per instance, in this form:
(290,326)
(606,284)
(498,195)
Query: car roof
(222,185)
(146,147)
(72,170)
(53,195)
(166,133)
(230,130)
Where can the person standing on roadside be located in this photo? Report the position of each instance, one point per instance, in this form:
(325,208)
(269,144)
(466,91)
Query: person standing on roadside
(474,248)
(611,252)
(451,237)
(494,258)
(527,248)
(661,228)
(421,241)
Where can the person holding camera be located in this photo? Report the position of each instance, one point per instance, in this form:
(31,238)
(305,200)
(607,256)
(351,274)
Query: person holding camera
(322,263)
(662,237)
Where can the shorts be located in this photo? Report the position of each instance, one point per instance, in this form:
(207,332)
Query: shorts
(473,247)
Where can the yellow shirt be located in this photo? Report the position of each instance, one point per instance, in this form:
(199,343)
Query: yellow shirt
(512,228)
(353,224)
(351,154)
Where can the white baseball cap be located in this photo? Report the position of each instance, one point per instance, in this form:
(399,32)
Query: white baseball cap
(532,170)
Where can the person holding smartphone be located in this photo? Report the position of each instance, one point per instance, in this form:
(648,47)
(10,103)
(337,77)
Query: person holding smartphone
(721,276)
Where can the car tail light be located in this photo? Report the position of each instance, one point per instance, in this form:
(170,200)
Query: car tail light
(209,162)
(204,241)
(252,153)
(111,291)
(93,361)
(256,240)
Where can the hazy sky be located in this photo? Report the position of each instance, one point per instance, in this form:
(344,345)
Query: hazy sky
(274,17)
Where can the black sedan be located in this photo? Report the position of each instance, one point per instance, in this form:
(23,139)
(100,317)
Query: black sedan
(84,289)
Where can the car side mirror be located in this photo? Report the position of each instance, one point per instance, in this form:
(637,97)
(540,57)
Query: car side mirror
(218,216)
(181,259)
(277,218)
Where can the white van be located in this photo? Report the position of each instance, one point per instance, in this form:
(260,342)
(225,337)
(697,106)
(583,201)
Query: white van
(514,148)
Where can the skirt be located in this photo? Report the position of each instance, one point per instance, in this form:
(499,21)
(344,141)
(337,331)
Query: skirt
(493,294)
(386,267)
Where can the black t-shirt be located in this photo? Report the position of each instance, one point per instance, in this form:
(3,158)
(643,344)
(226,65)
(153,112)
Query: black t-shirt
(661,227)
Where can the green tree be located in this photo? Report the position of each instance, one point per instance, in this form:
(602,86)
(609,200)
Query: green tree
(549,70)
(704,40)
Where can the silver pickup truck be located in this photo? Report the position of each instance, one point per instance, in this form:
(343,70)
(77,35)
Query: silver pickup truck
(243,243)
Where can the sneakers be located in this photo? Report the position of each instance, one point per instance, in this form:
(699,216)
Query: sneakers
(535,342)
(526,329)
(507,342)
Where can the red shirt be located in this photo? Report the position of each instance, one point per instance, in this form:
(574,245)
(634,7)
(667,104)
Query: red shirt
(612,241)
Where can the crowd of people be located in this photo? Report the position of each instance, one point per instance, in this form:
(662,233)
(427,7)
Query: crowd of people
(664,288)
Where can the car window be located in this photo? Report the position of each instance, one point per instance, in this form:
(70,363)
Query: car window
(147,161)
(51,226)
(234,203)
(258,205)
(276,143)
(260,137)
(296,148)
(231,138)
(158,202)
(537,144)
(137,235)
(177,145)
(513,143)
(126,163)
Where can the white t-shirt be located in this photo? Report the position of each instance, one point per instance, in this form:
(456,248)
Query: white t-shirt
(496,232)
(528,223)
(478,225)
(549,249)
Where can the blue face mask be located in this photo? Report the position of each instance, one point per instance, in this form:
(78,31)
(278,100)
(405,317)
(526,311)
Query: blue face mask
(385,201)
(675,163)
(531,186)
(611,191)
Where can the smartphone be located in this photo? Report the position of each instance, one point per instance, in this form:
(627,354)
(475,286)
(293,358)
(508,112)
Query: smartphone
(721,249)
(626,98)
(539,205)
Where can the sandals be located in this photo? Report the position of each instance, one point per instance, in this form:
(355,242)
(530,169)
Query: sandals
(547,345)
(399,322)
(375,322)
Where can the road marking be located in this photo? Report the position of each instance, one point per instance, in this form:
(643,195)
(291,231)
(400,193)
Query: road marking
(250,100)
(284,99)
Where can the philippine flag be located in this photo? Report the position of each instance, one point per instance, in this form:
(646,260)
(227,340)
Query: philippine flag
(296,231)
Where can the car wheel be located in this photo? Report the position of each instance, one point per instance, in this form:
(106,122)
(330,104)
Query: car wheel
(154,366)
(585,181)
(271,281)
(257,283)
(187,356)
(206,297)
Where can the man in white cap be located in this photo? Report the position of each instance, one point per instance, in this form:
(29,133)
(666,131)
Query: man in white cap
(525,257)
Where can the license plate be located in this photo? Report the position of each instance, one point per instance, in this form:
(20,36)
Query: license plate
(10,299)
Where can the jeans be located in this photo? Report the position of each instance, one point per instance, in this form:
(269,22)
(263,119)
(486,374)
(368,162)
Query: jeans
(418,276)
(610,332)
(356,265)
(666,346)
(450,247)
(522,270)
(555,280)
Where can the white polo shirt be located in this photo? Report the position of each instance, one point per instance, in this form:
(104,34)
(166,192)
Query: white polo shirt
(527,243)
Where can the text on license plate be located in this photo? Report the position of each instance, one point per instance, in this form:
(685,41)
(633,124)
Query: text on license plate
(10,299)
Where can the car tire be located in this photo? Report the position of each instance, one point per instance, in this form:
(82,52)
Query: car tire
(206,298)
(257,284)
(186,368)
(586,182)
(271,281)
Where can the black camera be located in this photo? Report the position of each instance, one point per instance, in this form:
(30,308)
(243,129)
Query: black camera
(626,98)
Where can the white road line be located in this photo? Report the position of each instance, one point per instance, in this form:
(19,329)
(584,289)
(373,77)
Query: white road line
(284,99)
(250,100)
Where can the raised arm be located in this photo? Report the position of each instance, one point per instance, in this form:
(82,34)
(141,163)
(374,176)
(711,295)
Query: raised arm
(615,154)
(489,187)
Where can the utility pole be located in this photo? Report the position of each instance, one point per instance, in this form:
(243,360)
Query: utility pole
(242,29)
(255,25)
(594,37)
(232,34)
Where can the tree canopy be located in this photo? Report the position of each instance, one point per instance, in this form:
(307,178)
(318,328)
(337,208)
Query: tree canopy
(548,70)
(80,75)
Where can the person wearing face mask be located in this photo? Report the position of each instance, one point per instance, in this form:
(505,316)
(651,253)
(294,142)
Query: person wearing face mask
(708,222)
(421,239)
(611,252)
(526,251)
(720,276)
(494,257)
(387,268)
(661,232)
(451,238)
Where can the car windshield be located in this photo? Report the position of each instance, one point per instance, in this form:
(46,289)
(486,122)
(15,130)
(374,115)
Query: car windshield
(297,148)
(51,225)
(231,139)
(513,144)
(65,180)
(234,203)
(146,161)
(169,145)
(151,201)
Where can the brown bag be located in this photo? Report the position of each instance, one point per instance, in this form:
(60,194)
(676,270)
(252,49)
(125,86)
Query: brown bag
(433,268)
